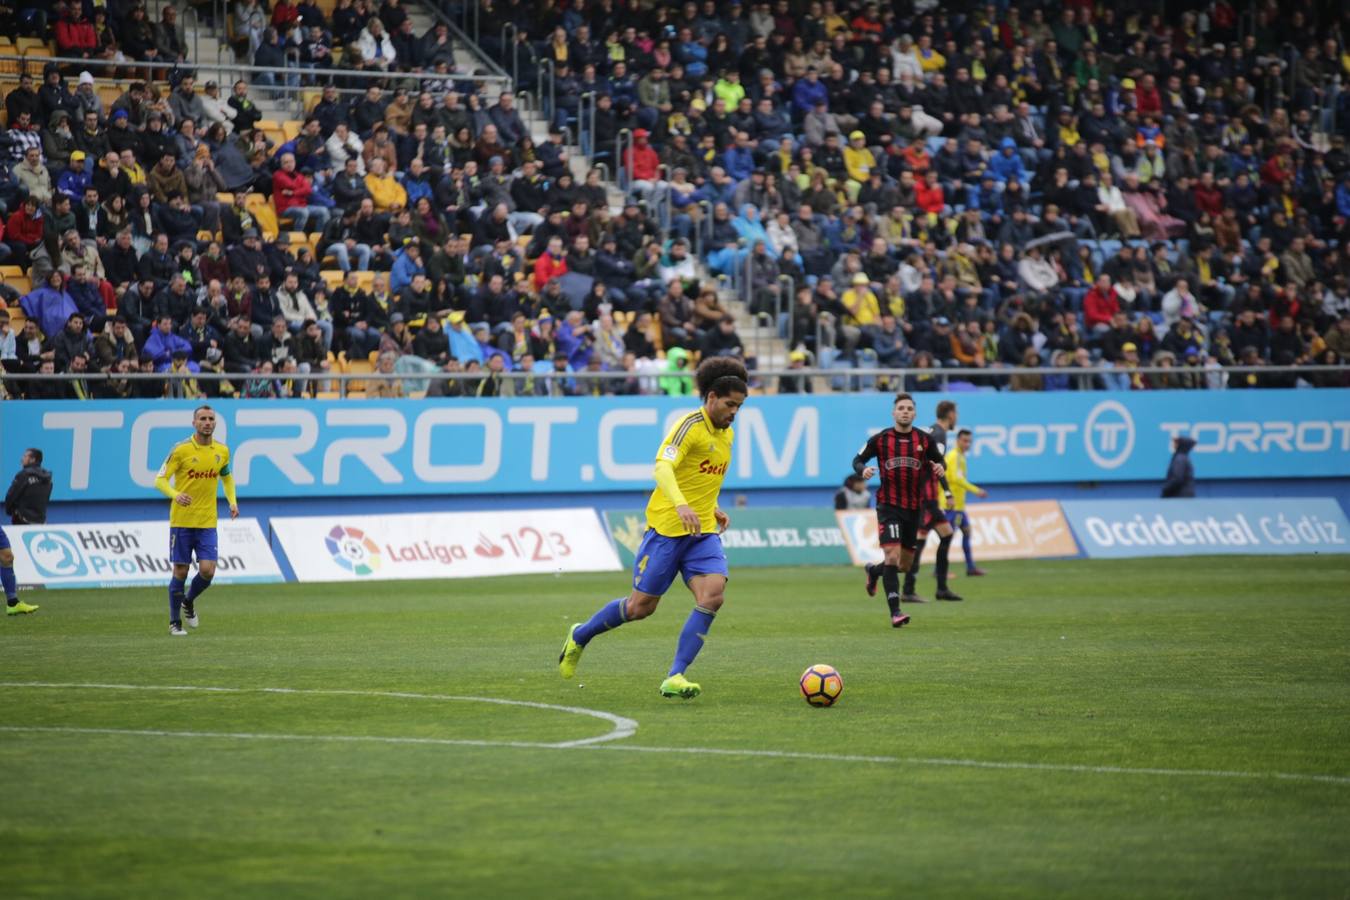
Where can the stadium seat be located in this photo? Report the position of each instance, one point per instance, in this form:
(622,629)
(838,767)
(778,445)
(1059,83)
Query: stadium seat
(261,210)
(365,280)
(291,129)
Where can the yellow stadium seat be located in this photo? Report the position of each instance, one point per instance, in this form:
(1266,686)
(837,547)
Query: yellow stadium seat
(332,278)
(204,235)
(291,129)
(225,198)
(266,124)
(357,367)
(21,283)
(295,238)
(261,210)
(10,271)
(29,43)
(311,99)
(365,280)
(16,318)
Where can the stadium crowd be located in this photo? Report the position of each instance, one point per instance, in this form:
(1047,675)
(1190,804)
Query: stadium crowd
(1000,187)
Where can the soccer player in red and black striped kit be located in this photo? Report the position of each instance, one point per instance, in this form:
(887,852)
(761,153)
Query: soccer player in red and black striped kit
(907,458)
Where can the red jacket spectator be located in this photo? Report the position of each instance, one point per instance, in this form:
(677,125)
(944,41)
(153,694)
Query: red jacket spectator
(75,35)
(1099,307)
(284,15)
(546,268)
(929,197)
(23,228)
(1148,100)
(641,160)
(1209,200)
(289,189)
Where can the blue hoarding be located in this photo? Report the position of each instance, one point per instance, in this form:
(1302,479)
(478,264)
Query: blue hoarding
(1126,528)
(103,450)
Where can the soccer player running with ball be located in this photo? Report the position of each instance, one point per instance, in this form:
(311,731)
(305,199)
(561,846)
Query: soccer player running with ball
(956,500)
(932,518)
(684,524)
(907,458)
(189,478)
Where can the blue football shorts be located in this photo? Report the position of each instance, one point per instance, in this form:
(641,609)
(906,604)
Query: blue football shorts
(958,519)
(4,540)
(660,559)
(184,542)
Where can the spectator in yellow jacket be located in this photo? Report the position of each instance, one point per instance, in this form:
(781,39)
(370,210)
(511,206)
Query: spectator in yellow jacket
(858,160)
(384,188)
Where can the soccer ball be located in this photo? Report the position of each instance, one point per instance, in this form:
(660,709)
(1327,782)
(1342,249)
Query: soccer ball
(821,685)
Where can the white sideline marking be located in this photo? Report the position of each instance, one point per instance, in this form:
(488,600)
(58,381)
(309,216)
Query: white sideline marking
(623,728)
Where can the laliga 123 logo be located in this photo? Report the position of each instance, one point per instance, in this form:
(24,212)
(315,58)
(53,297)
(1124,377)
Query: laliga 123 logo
(353,550)
(55,555)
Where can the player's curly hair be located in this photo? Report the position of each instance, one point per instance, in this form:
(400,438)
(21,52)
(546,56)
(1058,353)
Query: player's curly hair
(722,375)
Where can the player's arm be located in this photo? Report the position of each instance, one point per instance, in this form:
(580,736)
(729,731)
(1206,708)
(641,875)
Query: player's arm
(868,451)
(934,456)
(164,483)
(227,483)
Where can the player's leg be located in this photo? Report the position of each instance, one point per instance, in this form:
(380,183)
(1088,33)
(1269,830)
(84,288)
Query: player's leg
(704,566)
(874,571)
(208,551)
(897,542)
(654,568)
(11,584)
(908,594)
(940,567)
(968,545)
(180,556)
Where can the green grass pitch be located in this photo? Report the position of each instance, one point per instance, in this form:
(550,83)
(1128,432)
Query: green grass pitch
(1227,678)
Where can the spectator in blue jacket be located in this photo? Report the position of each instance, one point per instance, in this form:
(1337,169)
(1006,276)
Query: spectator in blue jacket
(162,343)
(407,263)
(808,92)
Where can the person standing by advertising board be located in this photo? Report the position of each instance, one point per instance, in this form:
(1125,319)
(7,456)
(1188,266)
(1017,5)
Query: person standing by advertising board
(29,492)
(1180,473)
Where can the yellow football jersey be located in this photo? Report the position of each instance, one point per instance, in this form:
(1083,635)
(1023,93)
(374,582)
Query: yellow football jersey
(956,478)
(700,455)
(196,470)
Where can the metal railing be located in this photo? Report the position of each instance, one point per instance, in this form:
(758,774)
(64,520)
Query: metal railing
(853,378)
(240,70)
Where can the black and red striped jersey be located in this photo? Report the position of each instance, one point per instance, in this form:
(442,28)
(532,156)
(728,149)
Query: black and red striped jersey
(904,460)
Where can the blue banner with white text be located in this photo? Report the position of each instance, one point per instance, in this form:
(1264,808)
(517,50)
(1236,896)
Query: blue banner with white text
(1276,526)
(107,450)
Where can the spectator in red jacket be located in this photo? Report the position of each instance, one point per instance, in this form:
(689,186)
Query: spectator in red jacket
(928,195)
(75,35)
(23,232)
(551,264)
(1100,304)
(1147,98)
(290,197)
(1208,197)
(643,164)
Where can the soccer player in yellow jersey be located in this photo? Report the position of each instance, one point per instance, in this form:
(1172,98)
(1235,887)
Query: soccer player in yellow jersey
(684,524)
(960,485)
(189,478)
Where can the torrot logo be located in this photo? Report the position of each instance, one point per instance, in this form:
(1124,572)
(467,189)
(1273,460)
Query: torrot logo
(1108,434)
(55,554)
(353,550)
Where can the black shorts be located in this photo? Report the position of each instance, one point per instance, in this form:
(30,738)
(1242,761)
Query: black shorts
(897,526)
(930,515)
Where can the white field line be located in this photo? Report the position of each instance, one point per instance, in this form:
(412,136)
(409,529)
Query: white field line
(623,728)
